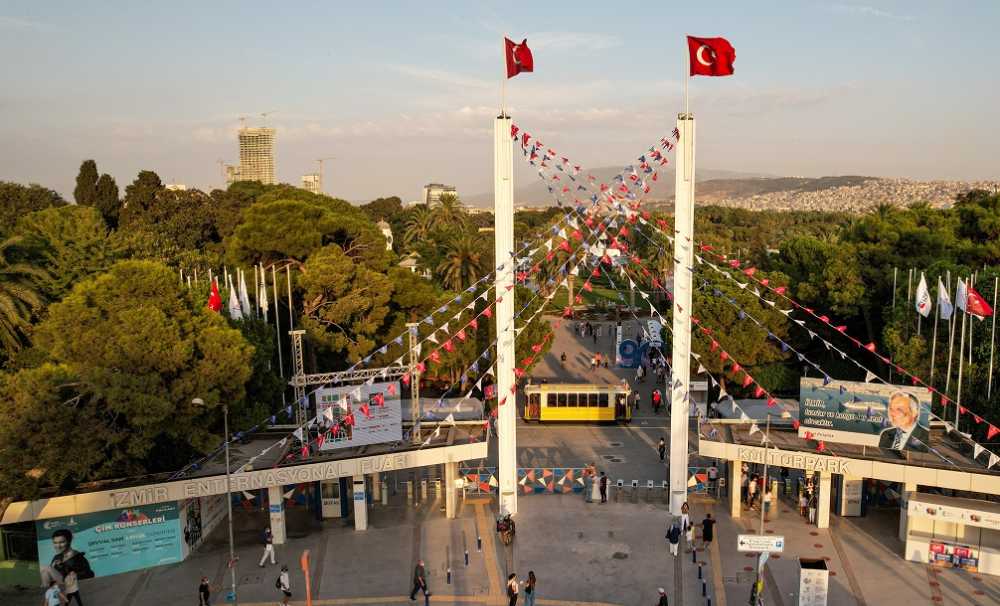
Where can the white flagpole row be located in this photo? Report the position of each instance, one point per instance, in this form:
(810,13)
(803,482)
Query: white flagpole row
(937,316)
(961,357)
(993,334)
(951,336)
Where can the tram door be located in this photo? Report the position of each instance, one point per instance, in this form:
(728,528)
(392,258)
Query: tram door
(533,407)
(330,495)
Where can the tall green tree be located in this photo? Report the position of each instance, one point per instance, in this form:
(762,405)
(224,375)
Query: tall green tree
(85,192)
(107,200)
(20,296)
(419,225)
(462,264)
(140,196)
(19,200)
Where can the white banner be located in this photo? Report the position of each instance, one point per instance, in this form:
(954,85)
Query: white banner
(385,423)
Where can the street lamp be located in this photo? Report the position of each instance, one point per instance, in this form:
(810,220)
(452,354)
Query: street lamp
(229,499)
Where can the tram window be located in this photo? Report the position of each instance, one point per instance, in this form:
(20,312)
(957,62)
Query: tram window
(572,400)
(592,400)
(602,400)
(534,399)
(561,399)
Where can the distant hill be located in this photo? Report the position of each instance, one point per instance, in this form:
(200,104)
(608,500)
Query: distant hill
(536,193)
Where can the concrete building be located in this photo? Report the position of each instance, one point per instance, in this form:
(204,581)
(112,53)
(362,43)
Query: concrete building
(434,191)
(312,183)
(257,155)
(232,174)
(175,187)
(386,230)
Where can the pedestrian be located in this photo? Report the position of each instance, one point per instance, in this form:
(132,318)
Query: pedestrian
(420,583)
(766,501)
(598,333)
(662,449)
(588,485)
(204,593)
(529,589)
(562,359)
(53,596)
(656,401)
(686,523)
(636,401)
(713,477)
(268,547)
(707,530)
(285,585)
(674,537)
(663,597)
(604,488)
(744,486)
(751,492)
(595,335)
(512,589)
(593,362)
(812,510)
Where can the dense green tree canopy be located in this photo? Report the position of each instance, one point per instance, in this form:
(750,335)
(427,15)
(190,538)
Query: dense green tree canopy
(19,200)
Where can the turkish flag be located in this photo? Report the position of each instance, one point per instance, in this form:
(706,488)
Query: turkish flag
(214,300)
(518,57)
(977,305)
(710,56)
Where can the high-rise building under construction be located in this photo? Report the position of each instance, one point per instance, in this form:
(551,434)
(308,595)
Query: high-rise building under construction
(257,155)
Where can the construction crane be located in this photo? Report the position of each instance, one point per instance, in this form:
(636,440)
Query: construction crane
(320,160)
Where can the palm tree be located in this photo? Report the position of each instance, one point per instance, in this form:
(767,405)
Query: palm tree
(449,212)
(462,264)
(419,225)
(19,296)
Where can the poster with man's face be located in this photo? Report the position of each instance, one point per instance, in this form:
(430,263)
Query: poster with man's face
(895,417)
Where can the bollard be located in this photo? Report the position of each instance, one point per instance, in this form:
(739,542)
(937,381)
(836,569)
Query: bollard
(409,492)
(466,557)
(699,571)
(449,575)
(479,543)
(704,588)
(423,490)
(708,601)
(694,555)
(385,493)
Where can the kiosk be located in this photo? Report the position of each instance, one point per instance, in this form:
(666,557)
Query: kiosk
(953,532)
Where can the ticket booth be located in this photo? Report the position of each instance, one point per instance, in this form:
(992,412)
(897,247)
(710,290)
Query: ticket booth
(332,497)
(953,532)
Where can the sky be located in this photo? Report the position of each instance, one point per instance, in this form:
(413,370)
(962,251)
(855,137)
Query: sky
(404,93)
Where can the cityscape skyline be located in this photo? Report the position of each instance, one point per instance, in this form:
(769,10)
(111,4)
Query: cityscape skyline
(399,115)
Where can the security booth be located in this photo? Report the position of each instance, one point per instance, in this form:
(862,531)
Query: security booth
(953,532)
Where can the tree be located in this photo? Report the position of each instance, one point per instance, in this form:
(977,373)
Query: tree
(419,225)
(107,200)
(345,303)
(85,192)
(462,264)
(383,208)
(140,196)
(18,200)
(70,242)
(20,297)
(140,348)
(449,213)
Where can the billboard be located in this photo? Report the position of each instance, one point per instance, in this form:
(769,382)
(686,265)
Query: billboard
(113,541)
(886,416)
(385,423)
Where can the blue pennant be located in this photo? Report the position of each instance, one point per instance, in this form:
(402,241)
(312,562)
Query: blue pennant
(274,419)
(784,347)
(826,379)
(398,340)
(288,410)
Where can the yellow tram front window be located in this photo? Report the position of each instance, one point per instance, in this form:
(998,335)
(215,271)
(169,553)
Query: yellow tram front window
(561,399)
(592,400)
(571,400)
(602,400)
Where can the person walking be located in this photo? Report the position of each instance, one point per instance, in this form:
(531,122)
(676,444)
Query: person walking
(713,479)
(588,485)
(636,401)
(204,593)
(529,589)
(512,589)
(686,523)
(663,597)
(674,537)
(662,449)
(420,583)
(812,509)
(268,547)
(284,584)
(707,530)
(657,398)
(803,504)
(751,492)
(603,485)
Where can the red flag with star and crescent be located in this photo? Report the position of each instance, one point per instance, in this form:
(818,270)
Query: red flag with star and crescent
(518,56)
(711,56)
(214,299)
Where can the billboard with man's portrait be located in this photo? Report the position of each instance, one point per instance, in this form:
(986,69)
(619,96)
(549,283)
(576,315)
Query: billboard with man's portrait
(896,417)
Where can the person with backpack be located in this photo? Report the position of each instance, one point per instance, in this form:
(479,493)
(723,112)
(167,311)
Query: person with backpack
(284,585)
(512,590)
(529,589)
(674,537)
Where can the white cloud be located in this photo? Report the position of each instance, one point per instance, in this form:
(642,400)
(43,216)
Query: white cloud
(869,11)
(17,23)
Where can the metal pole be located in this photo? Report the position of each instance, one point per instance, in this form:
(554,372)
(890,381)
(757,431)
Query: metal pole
(894,270)
(763,493)
(961,348)
(951,334)
(937,316)
(229,504)
(288,278)
(993,334)
(414,384)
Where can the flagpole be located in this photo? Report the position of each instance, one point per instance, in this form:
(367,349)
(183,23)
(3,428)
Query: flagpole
(972,284)
(503,80)
(951,334)
(961,349)
(687,77)
(277,321)
(993,334)
(937,316)
(894,270)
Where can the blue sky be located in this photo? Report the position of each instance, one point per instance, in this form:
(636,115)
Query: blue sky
(403,93)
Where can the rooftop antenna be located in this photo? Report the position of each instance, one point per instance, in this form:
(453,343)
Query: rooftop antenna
(320,160)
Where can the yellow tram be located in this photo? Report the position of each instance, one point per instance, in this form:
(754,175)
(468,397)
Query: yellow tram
(577,402)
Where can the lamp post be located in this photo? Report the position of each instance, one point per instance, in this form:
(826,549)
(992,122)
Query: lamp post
(229,500)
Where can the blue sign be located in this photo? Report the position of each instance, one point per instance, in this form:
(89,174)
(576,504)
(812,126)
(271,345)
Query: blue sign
(275,508)
(114,541)
(631,353)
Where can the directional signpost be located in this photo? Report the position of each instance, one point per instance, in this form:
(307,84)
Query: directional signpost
(760,543)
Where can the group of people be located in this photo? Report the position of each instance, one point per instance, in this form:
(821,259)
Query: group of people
(682,526)
(590,477)
(514,586)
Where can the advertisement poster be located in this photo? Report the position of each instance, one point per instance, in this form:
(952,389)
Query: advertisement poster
(385,423)
(885,416)
(110,542)
(950,555)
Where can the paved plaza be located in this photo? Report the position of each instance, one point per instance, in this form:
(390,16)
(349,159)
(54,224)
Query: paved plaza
(583,554)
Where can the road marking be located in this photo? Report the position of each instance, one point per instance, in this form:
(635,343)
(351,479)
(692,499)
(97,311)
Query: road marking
(438,598)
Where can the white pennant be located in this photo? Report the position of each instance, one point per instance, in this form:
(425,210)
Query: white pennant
(869,376)
(977,450)
(993,461)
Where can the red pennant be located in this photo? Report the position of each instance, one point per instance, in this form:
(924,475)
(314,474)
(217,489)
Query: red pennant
(723,356)
(365,410)
(390,389)
(823,319)
(841,328)
(578,299)
(474,323)
(435,357)
(537,347)
(587,287)
(992,431)
(809,435)
(406,379)
(736,367)
(977,418)
(577,235)
(565,246)
(488,312)
(759,392)
(305,451)
(780,290)
(870,346)
(518,373)
(320,440)
(380,399)
(821,446)
(747,380)
(714,346)
(567,312)
(421,367)
(448,345)
(765,282)
(795,424)
(460,334)
(771,402)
